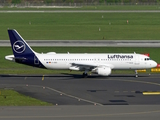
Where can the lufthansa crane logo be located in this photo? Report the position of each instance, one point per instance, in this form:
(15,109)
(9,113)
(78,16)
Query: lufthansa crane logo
(19,46)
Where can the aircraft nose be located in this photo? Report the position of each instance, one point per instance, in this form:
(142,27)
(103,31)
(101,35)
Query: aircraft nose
(154,64)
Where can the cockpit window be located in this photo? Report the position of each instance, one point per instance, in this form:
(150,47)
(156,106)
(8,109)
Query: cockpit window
(146,59)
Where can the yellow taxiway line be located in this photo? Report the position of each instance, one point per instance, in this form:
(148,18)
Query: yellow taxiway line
(151,93)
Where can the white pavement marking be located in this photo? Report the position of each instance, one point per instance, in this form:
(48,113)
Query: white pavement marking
(68,95)
(62,93)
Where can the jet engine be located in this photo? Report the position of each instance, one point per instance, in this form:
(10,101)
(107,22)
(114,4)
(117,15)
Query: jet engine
(103,71)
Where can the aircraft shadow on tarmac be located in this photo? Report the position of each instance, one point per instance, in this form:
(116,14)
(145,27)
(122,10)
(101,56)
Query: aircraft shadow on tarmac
(66,75)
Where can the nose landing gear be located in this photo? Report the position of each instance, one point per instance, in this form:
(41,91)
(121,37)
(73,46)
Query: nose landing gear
(136,74)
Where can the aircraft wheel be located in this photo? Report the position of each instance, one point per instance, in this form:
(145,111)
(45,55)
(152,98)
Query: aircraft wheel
(136,74)
(85,75)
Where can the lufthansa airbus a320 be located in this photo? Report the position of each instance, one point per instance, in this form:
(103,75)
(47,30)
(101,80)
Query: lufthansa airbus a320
(101,64)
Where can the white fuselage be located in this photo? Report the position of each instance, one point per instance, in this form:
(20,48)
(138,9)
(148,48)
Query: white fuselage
(114,61)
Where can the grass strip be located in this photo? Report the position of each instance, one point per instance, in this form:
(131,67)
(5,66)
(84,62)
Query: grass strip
(13,98)
(82,26)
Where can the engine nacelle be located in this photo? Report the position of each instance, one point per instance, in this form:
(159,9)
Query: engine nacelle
(104,71)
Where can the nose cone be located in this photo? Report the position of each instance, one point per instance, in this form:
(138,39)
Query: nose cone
(154,64)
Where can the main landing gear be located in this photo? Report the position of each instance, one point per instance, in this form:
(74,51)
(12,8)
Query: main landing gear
(85,75)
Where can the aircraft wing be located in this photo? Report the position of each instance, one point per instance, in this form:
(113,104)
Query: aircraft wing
(84,64)
(88,66)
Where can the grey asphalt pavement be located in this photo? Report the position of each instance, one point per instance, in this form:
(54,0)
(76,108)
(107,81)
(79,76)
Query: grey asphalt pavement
(81,112)
(90,43)
(94,90)
(116,97)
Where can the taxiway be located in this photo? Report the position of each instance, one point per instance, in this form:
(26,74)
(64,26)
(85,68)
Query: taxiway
(94,90)
(116,97)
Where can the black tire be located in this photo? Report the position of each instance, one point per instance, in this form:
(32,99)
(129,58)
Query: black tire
(85,75)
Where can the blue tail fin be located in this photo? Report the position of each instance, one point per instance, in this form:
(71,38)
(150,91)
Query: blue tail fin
(23,53)
(19,46)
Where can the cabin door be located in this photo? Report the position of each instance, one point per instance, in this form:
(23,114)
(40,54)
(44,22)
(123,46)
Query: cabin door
(136,60)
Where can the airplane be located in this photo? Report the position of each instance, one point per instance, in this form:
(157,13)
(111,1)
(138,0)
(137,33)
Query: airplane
(101,64)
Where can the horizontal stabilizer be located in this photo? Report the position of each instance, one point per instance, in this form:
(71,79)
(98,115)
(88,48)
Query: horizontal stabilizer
(10,58)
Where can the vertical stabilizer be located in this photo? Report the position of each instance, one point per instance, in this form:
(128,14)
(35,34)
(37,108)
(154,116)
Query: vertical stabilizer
(23,53)
(19,46)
